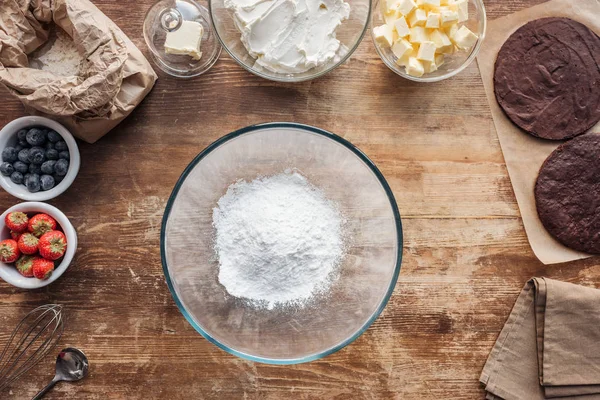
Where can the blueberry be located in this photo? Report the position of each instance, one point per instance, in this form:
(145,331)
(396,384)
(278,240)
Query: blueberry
(16,177)
(47,182)
(54,136)
(18,148)
(36,137)
(61,145)
(24,156)
(35,169)
(48,167)
(58,178)
(37,155)
(52,154)
(25,176)
(23,143)
(49,146)
(10,154)
(6,169)
(64,155)
(61,167)
(22,134)
(21,167)
(33,183)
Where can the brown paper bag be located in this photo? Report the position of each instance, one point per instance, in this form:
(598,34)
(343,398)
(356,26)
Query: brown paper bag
(115,79)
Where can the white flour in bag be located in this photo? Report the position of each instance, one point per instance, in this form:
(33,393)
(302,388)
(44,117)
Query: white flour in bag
(278,240)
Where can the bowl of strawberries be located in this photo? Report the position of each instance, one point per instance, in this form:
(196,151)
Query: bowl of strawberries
(37,244)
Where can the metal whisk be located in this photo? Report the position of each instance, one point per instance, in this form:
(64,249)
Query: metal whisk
(36,334)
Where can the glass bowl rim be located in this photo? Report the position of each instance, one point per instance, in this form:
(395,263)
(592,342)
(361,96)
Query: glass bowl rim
(363,157)
(293,78)
(394,68)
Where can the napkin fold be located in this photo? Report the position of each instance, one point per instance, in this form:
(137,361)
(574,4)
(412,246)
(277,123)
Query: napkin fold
(549,347)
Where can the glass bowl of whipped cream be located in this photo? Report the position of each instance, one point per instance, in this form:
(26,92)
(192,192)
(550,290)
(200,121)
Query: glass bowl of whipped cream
(290,40)
(281,243)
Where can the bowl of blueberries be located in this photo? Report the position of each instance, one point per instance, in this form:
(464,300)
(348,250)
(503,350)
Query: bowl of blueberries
(40,158)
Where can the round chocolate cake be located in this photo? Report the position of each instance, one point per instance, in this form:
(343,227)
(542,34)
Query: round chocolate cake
(567,193)
(547,78)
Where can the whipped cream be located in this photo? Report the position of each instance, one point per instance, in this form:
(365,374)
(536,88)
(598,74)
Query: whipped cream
(290,36)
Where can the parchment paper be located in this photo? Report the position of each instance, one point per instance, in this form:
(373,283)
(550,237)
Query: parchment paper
(523,153)
(117,75)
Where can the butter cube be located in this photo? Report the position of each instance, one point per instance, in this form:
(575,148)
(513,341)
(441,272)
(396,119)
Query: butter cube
(464,38)
(427,52)
(429,66)
(429,3)
(391,5)
(439,60)
(418,34)
(451,30)
(406,6)
(448,17)
(401,48)
(390,18)
(402,27)
(433,20)
(403,61)
(444,2)
(462,9)
(185,40)
(384,35)
(441,40)
(414,67)
(417,18)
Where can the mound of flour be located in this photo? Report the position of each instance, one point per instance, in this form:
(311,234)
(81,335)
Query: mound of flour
(278,240)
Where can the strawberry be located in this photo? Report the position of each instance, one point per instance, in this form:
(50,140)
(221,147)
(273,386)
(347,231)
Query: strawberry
(28,244)
(15,235)
(53,245)
(41,223)
(42,269)
(16,221)
(25,265)
(9,251)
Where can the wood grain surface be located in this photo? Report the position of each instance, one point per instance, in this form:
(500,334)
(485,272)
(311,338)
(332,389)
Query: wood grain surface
(465,257)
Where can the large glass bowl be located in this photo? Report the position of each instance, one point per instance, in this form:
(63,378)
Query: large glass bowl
(367,275)
(350,33)
(453,63)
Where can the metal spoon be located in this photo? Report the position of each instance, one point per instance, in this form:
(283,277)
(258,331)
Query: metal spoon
(71,365)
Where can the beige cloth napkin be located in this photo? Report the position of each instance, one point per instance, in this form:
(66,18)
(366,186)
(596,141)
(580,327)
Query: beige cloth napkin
(549,346)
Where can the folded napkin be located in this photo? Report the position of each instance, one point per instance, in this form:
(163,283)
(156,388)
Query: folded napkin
(549,346)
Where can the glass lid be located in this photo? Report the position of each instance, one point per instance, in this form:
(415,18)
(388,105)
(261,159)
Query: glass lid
(181,38)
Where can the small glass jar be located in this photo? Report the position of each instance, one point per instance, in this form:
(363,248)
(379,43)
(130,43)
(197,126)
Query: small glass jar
(167,16)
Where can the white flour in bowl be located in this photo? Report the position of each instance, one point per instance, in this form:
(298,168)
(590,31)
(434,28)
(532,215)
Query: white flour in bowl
(278,240)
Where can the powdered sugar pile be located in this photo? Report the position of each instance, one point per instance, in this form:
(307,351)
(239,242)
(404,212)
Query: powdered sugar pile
(278,240)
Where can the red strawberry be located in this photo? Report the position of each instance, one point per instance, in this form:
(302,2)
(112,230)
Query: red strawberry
(53,245)
(28,244)
(16,221)
(15,235)
(25,265)
(9,251)
(41,223)
(42,269)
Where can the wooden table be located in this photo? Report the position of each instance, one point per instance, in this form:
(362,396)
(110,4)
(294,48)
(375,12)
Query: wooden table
(466,255)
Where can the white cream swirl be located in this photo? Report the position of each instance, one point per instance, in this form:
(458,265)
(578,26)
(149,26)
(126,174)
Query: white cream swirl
(290,36)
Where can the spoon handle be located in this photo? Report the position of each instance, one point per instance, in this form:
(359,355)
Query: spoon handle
(45,390)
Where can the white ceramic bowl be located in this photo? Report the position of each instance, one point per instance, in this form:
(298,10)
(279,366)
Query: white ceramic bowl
(9,273)
(8,137)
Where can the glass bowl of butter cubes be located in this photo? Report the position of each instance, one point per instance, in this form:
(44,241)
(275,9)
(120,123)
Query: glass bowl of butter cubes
(428,40)
(180,37)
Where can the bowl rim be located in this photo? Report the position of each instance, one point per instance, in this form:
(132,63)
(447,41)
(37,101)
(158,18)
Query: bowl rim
(472,55)
(382,181)
(69,231)
(74,162)
(291,78)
